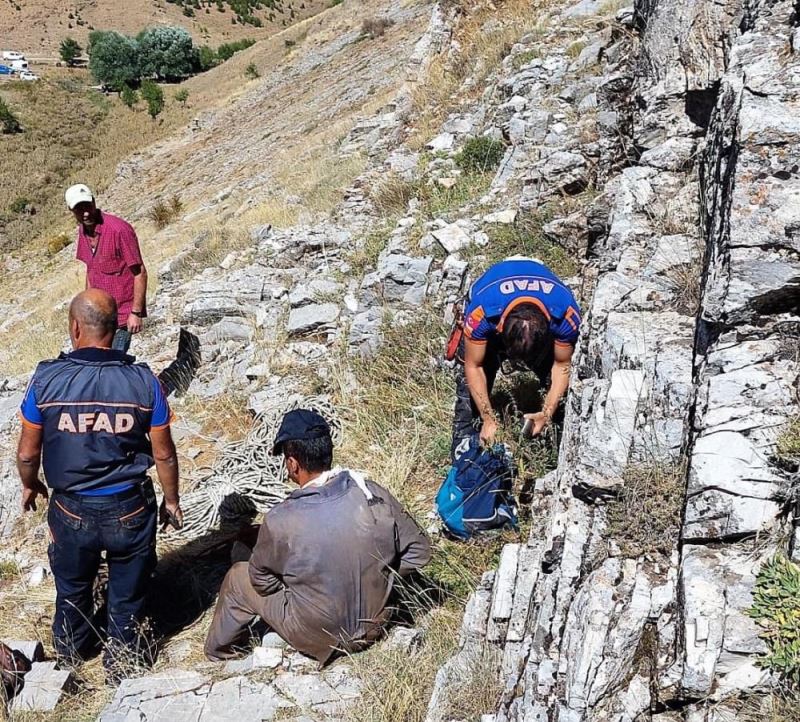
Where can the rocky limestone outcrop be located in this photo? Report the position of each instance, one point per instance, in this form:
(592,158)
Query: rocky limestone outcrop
(687,364)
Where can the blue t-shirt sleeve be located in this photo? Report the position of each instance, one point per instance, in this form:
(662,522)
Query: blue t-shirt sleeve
(162,415)
(566,330)
(29,410)
(476,326)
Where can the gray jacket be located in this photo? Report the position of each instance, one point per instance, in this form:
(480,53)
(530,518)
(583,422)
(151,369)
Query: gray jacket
(327,559)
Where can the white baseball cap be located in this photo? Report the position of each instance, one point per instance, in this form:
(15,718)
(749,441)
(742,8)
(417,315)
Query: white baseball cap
(78,194)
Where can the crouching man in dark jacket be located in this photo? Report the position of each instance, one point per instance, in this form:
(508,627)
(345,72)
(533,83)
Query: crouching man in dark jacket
(326,558)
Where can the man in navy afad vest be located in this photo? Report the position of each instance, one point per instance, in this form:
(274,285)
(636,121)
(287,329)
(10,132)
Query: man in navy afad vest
(96,421)
(517,310)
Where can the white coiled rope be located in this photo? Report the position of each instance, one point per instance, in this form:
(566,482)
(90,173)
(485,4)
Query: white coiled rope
(246,479)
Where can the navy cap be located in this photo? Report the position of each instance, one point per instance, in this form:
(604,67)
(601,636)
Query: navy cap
(300,425)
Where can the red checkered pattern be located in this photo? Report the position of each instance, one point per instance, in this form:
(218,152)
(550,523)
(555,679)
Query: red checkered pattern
(109,267)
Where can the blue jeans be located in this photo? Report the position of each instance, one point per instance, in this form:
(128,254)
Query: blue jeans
(123,526)
(122,340)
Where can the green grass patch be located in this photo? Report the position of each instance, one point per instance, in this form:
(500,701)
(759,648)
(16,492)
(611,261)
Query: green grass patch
(436,201)
(525,238)
(481,155)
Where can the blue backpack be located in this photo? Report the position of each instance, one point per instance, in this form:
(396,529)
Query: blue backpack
(477,494)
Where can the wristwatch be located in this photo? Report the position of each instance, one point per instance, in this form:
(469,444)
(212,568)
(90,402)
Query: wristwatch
(140,314)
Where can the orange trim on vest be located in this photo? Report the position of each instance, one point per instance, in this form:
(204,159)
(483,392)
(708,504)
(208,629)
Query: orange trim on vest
(518,301)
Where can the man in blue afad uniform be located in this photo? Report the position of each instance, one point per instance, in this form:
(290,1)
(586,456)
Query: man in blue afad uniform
(521,311)
(96,421)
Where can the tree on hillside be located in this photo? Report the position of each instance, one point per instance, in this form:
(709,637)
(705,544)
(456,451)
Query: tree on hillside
(70,51)
(129,96)
(154,97)
(182,96)
(166,53)
(8,121)
(113,58)
(205,58)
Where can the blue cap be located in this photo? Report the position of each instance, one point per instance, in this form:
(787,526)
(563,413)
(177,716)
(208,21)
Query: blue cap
(300,425)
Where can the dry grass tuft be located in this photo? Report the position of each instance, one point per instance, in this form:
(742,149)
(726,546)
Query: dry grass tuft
(376,27)
(391,195)
(788,446)
(398,685)
(165,212)
(645,518)
(477,690)
(685,280)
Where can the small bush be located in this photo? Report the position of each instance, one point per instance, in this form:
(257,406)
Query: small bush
(334,3)
(182,96)
(227,50)
(18,205)
(153,95)
(645,518)
(8,120)
(206,58)
(129,96)
(70,51)
(776,608)
(376,27)
(58,243)
(251,72)
(165,212)
(8,569)
(481,155)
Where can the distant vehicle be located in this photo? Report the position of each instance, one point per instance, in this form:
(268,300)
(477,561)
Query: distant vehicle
(6,70)
(12,55)
(28,75)
(18,65)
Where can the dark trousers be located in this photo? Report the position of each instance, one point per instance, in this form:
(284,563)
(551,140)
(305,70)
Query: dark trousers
(466,417)
(122,339)
(123,526)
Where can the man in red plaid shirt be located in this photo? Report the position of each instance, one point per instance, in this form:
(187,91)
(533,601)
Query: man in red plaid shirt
(110,249)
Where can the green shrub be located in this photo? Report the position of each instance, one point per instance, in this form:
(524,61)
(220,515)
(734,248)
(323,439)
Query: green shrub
(18,205)
(8,121)
(182,96)
(481,154)
(251,72)
(776,608)
(227,50)
(129,96)
(70,51)
(154,97)
(525,238)
(206,58)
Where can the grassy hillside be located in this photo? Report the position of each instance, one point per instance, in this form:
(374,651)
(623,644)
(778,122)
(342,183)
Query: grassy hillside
(36,27)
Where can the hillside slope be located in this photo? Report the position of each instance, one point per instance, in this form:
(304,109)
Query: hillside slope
(37,27)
